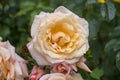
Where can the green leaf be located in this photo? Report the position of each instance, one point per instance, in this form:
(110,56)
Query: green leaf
(5,31)
(111,10)
(88,53)
(97,73)
(115,32)
(110,45)
(113,44)
(0,38)
(26,7)
(94,28)
(47,69)
(118,60)
(103,10)
(91,1)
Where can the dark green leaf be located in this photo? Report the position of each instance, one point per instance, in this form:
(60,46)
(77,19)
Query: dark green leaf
(111,10)
(118,60)
(91,1)
(97,73)
(109,46)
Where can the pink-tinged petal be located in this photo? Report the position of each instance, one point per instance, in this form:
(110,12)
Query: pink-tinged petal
(17,68)
(53,76)
(82,21)
(36,73)
(76,76)
(11,49)
(13,66)
(4,53)
(0,59)
(11,74)
(24,69)
(73,67)
(38,57)
(32,77)
(36,23)
(63,68)
(20,59)
(82,64)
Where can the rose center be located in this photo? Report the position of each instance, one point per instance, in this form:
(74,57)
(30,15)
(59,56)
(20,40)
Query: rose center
(60,38)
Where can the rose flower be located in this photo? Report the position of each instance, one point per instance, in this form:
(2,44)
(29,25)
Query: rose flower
(60,76)
(12,66)
(57,37)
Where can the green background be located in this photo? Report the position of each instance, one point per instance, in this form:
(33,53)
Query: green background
(103,57)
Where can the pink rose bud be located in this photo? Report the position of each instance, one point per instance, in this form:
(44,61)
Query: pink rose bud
(36,73)
(61,68)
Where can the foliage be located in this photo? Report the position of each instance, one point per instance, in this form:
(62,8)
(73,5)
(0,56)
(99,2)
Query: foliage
(103,57)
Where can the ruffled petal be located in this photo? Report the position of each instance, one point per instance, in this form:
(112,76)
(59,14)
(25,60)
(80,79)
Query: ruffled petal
(38,57)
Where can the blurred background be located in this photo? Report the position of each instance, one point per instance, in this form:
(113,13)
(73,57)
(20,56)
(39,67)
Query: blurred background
(103,16)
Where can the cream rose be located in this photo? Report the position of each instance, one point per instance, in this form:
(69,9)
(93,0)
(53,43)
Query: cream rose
(54,76)
(60,76)
(57,37)
(12,66)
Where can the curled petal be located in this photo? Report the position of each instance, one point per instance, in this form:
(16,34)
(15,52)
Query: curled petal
(53,76)
(82,64)
(61,68)
(36,73)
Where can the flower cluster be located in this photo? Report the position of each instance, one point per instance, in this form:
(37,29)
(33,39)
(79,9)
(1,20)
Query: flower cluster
(59,40)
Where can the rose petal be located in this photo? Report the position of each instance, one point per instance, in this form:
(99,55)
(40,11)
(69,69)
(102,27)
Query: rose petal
(17,68)
(82,21)
(36,23)
(24,69)
(77,76)
(54,76)
(82,64)
(38,57)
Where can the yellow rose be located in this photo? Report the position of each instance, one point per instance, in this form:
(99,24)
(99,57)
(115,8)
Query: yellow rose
(60,36)
(12,66)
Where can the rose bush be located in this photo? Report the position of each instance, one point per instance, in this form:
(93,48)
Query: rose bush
(57,37)
(12,66)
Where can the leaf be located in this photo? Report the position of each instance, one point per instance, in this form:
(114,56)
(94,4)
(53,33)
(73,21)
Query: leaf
(91,1)
(110,45)
(0,38)
(5,31)
(97,73)
(103,10)
(115,32)
(111,10)
(118,60)
(88,53)
(94,28)
(113,44)
(26,7)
